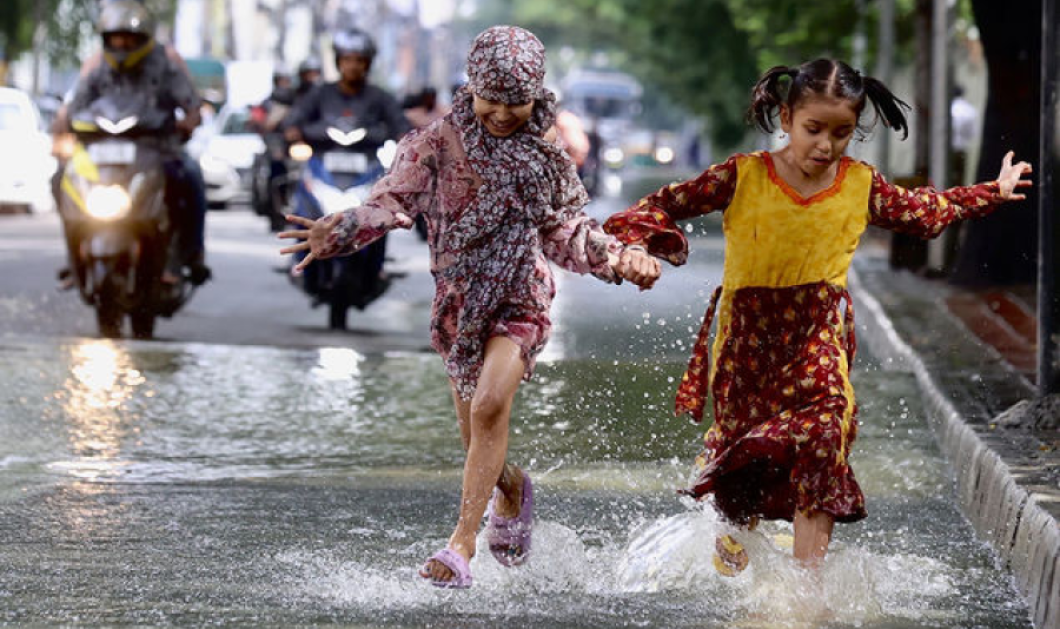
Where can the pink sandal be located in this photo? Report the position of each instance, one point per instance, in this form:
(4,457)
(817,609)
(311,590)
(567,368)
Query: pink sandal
(509,538)
(456,563)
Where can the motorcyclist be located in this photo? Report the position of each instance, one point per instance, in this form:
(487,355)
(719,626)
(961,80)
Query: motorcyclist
(350,97)
(134,62)
(310,74)
(267,119)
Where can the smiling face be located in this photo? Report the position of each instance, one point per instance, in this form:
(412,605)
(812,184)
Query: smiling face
(820,129)
(501,119)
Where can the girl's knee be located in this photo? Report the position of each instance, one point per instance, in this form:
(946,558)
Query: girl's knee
(489,406)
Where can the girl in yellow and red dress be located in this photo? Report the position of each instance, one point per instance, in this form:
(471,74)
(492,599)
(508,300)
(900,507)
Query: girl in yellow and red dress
(784,411)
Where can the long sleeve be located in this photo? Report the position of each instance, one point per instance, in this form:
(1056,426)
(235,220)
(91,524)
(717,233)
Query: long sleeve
(926,212)
(408,189)
(581,246)
(570,238)
(652,222)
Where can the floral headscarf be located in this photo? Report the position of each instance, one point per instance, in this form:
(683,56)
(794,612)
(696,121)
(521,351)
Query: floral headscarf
(496,241)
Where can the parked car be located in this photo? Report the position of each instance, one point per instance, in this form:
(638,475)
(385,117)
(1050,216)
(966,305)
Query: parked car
(25,173)
(226,149)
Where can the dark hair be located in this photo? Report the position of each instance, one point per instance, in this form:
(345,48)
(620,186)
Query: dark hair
(784,86)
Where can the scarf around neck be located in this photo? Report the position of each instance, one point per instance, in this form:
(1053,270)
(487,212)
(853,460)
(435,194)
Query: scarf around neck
(496,240)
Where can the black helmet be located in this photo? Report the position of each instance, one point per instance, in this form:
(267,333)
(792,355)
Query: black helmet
(312,64)
(279,73)
(129,17)
(353,41)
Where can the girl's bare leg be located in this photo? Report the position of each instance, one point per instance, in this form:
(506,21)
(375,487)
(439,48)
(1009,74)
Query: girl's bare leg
(813,533)
(484,429)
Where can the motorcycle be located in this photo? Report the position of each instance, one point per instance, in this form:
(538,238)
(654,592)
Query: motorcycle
(340,161)
(118,229)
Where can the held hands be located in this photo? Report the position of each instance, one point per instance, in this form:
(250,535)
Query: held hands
(1011,178)
(637,266)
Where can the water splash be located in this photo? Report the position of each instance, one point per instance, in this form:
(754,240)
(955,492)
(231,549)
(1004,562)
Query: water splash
(853,587)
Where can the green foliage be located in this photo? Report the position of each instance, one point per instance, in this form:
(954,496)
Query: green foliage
(67,25)
(705,55)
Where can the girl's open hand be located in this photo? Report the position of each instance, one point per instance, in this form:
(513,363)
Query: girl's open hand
(638,267)
(1011,177)
(314,237)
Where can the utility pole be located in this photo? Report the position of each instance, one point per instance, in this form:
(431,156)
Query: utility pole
(1048,225)
(938,163)
(280,22)
(38,44)
(885,72)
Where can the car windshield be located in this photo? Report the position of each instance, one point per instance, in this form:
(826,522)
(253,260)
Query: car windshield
(11,116)
(236,122)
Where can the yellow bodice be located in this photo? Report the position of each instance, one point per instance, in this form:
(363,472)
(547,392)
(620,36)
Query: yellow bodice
(775,237)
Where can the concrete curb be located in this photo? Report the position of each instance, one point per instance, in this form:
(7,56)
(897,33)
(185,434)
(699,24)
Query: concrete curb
(1004,513)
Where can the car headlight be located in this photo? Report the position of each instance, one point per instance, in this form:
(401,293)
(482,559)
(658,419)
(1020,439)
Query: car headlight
(108,203)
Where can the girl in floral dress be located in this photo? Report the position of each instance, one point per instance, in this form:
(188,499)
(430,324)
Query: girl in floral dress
(500,202)
(784,411)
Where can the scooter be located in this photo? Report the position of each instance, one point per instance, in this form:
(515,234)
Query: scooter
(118,230)
(340,162)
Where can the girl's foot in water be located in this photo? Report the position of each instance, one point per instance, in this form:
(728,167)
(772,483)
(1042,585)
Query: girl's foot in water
(444,568)
(730,557)
(507,500)
(510,518)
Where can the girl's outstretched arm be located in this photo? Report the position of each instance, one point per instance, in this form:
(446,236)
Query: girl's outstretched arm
(652,221)
(926,212)
(396,199)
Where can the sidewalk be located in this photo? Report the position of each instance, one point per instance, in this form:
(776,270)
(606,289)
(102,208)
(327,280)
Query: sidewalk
(973,353)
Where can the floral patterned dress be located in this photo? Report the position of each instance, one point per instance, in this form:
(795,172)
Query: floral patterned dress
(784,411)
(483,287)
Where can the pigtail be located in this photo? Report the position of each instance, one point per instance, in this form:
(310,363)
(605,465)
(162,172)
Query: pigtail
(889,107)
(767,97)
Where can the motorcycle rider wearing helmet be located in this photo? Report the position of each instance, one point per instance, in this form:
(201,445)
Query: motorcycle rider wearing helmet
(133,61)
(309,75)
(351,96)
(267,119)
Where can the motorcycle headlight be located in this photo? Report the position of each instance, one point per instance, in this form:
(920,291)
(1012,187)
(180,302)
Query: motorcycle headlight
(108,203)
(300,152)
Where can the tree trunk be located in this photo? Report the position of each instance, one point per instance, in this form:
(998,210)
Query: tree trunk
(922,98)
(1001,249)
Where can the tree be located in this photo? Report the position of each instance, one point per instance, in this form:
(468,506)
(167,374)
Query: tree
(1002,248)
(704,54)
(66,25)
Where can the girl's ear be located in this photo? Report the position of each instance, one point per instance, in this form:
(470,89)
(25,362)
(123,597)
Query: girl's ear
(785,119)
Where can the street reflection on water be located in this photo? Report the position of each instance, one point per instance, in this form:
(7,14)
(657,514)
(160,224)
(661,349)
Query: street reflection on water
(191,484)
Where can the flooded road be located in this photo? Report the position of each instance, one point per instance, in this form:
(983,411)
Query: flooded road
(185,483)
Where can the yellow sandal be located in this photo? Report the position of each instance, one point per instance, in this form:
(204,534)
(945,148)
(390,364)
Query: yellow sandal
(731,557)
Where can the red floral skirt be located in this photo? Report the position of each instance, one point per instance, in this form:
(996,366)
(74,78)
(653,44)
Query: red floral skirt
(784,413)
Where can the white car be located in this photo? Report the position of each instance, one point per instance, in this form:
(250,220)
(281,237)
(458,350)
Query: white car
(26,164)
(226,151)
